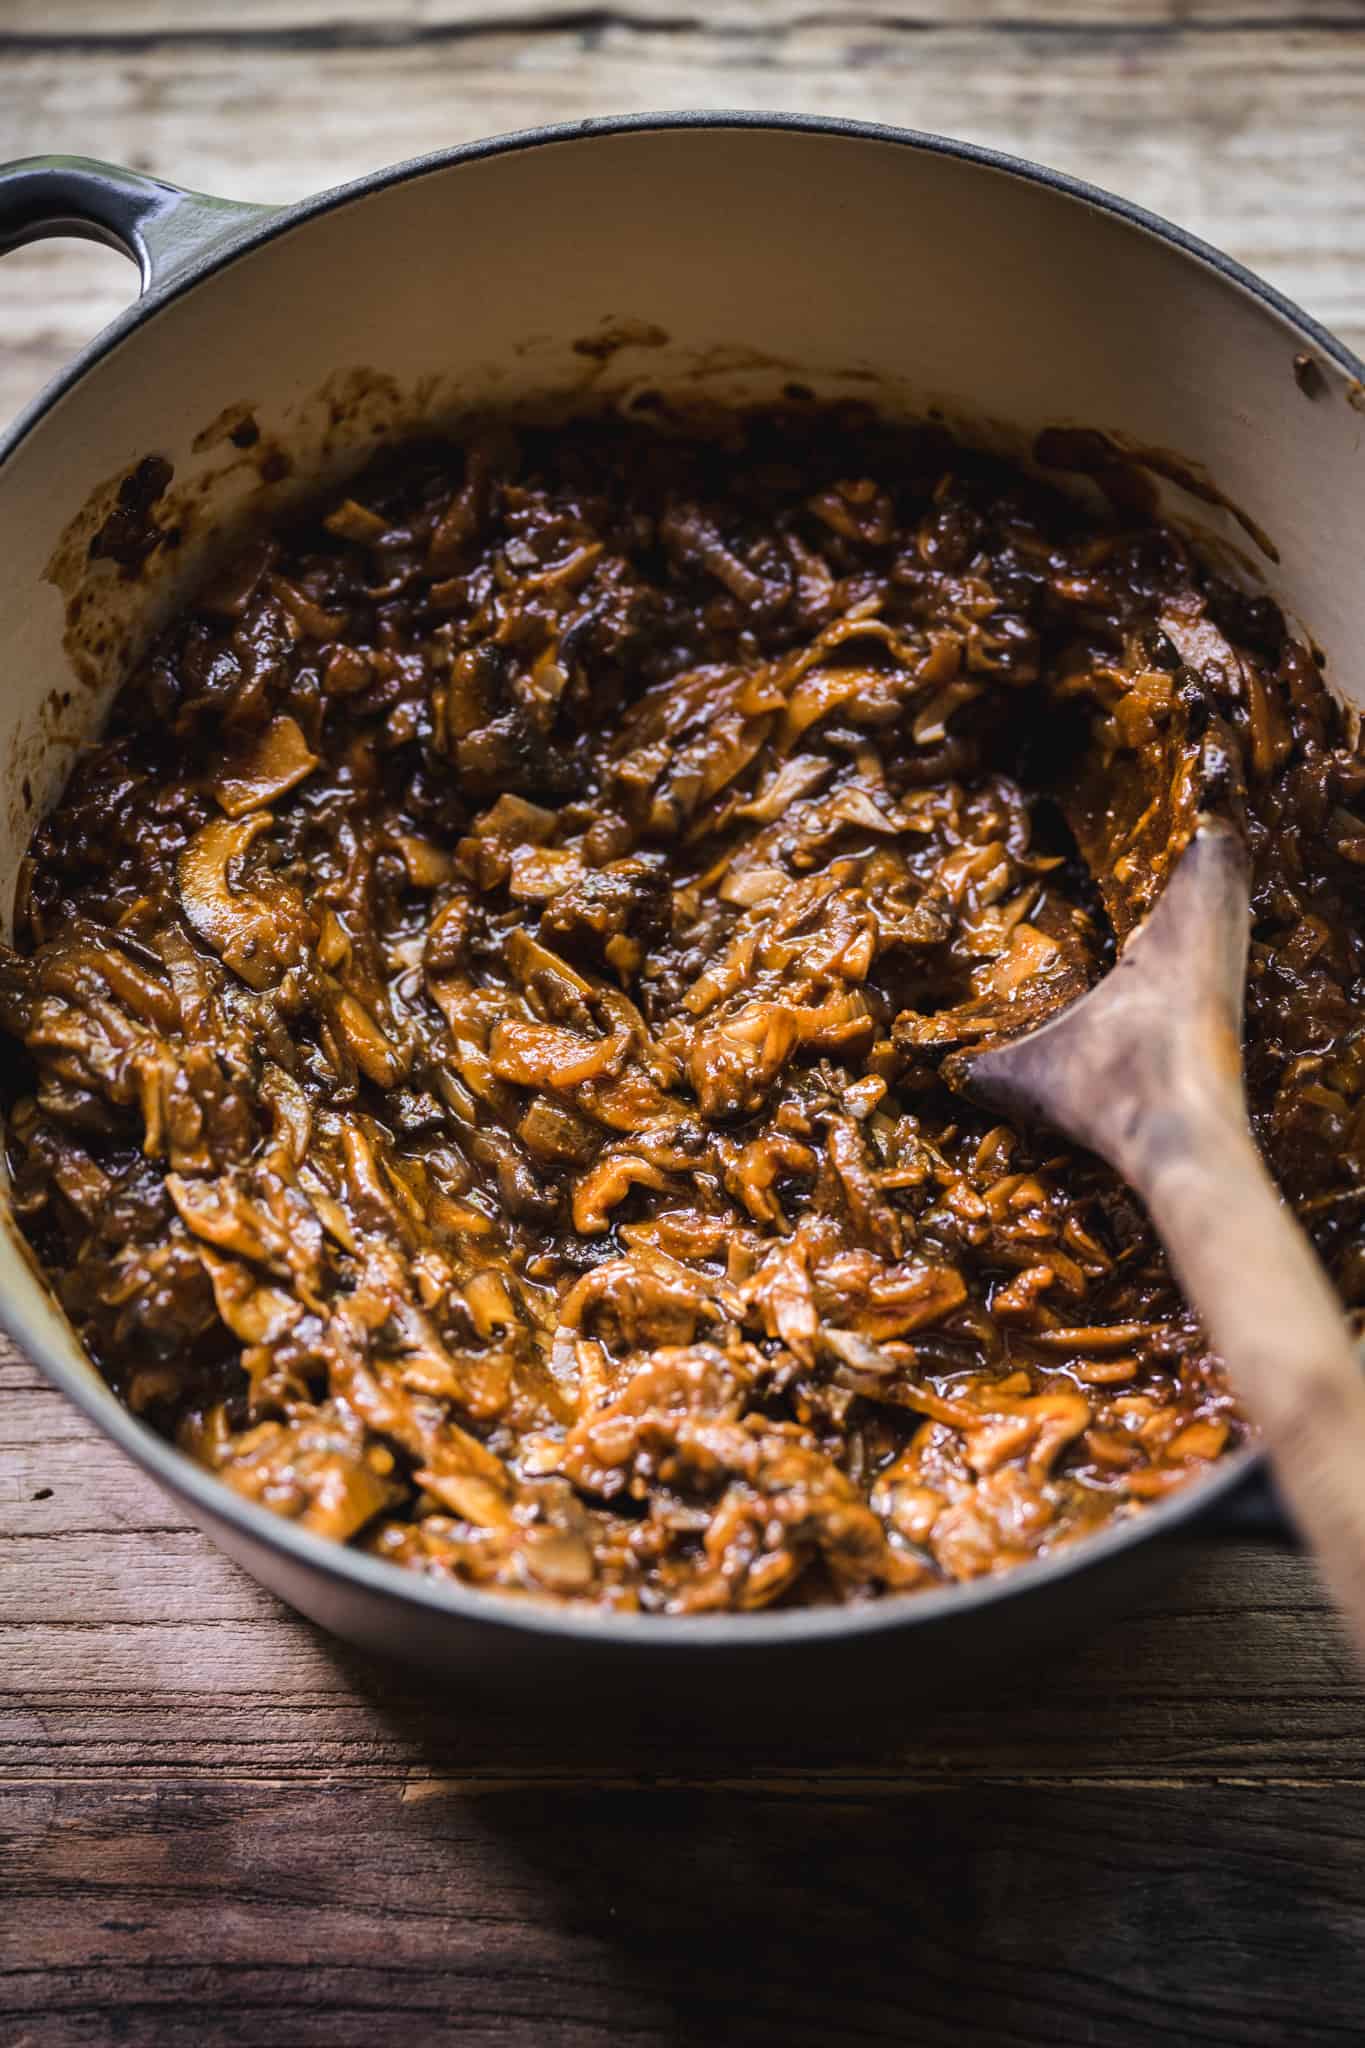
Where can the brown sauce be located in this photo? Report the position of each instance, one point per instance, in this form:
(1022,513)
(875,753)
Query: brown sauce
(479,1014)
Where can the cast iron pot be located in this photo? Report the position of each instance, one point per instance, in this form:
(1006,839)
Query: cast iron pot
(726,255)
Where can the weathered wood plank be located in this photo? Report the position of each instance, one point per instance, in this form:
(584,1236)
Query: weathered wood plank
(243,1912)
(109,20)
(1265,157)
(270,1698)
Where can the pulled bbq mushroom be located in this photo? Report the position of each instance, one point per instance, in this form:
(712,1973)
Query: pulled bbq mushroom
(490,1009)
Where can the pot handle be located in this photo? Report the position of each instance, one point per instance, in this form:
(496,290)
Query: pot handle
(160,226)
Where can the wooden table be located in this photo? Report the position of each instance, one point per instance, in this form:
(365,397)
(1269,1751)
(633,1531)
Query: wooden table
(219,1826)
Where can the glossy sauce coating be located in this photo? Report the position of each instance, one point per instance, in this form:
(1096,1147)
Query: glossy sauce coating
(484,1009)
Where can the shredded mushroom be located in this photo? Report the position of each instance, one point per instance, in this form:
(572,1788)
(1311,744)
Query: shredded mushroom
(490,1005)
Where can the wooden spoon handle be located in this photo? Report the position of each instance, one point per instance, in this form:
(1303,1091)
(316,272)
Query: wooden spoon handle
(1269,1310)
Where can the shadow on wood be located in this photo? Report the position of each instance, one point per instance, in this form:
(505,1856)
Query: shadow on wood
(996,1915)
(1221,1672)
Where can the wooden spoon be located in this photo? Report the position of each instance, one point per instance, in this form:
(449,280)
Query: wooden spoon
(1146,1071)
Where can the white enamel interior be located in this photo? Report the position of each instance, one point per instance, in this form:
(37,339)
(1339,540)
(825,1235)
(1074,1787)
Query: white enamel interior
(853,264)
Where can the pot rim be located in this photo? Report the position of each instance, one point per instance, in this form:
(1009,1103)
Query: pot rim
(522,1614)
(272,221)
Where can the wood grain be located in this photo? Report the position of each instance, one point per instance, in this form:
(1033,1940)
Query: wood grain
(217,1826)
(558,1918)
(85,23)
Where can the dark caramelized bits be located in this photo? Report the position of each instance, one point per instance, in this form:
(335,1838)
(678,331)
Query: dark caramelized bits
(484,1009)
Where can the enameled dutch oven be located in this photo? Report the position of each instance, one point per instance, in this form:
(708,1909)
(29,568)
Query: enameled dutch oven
(724,256)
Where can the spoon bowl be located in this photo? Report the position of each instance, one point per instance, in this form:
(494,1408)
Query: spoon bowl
(1146,1070)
